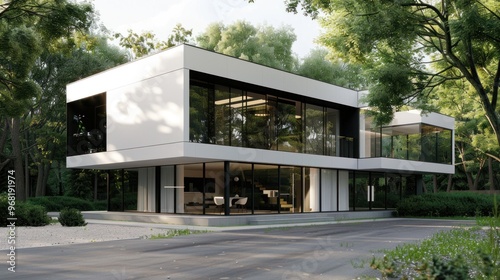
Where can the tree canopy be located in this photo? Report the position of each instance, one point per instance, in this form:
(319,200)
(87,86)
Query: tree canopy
(412,47)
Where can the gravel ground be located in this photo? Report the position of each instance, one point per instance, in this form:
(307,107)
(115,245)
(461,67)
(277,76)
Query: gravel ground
(55,234)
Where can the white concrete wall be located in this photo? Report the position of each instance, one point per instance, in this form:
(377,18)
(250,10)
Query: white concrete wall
(127,74)
(146,113)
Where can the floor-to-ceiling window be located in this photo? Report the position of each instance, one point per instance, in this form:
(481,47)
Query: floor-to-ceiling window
(236,114)
(235,188)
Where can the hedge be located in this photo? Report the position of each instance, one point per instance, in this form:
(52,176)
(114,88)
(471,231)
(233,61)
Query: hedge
(464,204)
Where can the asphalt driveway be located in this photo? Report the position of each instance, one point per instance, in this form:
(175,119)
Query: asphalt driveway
(335,251)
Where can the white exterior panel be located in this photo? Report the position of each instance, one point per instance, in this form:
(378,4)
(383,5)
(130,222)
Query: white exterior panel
(404,166)
(128,73)
(146,113)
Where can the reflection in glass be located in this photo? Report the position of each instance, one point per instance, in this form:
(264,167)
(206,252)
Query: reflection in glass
(266,188)
(314,133)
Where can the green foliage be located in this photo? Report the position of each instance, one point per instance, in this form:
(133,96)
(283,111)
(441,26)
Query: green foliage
(317,66)
(71,217)
(429,42)
(58,203)
(460,253)
(146,43)
(176,232)
(26,213)
(31,215)
(442,204)
(265,45)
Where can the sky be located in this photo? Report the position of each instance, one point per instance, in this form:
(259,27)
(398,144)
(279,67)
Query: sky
(161,16)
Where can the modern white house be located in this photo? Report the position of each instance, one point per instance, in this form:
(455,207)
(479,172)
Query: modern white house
(195,132)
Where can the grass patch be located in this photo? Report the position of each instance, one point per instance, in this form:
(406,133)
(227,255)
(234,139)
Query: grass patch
(461,253)
(176,232)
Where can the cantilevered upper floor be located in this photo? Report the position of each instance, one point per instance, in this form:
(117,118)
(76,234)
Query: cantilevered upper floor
(188,105)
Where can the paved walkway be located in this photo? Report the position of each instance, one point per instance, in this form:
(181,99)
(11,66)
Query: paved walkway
(327,251)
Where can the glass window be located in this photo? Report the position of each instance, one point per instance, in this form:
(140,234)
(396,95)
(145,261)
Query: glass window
(241,184)
(201,113)
(314,132)
(222,115)
(288,126)
(331,132)
(86,123)
(257,119)
(266,188)
(237,118)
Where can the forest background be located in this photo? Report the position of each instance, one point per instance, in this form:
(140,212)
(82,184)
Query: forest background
(441,56)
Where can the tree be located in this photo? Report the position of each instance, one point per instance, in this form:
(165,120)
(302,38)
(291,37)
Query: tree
(317,66)
(414,46)
(45,121)
(146,42)
(26,26)
(265,45)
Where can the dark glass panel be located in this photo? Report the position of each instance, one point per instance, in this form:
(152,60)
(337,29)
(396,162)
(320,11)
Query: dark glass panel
(266,189)
(257,120)
(331,132)
(201,114)
(314,132)
(222,115)
(86,122)
(237,117)
(288,126)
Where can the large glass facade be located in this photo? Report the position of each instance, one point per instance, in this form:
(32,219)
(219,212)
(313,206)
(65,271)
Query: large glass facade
(225,113)
(235,188)
(419,142)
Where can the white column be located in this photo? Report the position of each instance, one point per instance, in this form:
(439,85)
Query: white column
(314,189)
(180,189)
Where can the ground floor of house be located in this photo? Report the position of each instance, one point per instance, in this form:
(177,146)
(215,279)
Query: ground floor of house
(235,188)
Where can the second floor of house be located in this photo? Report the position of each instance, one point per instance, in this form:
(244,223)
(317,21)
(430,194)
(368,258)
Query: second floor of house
(141,104)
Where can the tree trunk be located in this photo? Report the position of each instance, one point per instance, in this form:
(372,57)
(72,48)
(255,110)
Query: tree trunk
(491,176)
(18,158)
(450,183)
(41,182)
(435,183)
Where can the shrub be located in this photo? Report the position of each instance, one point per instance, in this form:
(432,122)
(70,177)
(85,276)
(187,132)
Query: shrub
(4,212)
(31,215)
(71,218)
(57,203)
(446,205)
(26,214)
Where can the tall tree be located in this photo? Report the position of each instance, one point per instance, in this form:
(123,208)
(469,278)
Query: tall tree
(317,65)
(45,122)
(26,26)
(264,45)
(414,46)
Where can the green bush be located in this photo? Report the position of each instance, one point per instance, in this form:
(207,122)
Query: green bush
(71,218)
(26,213)
(4,212)
(57,203)
(464,204)
(31,215)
